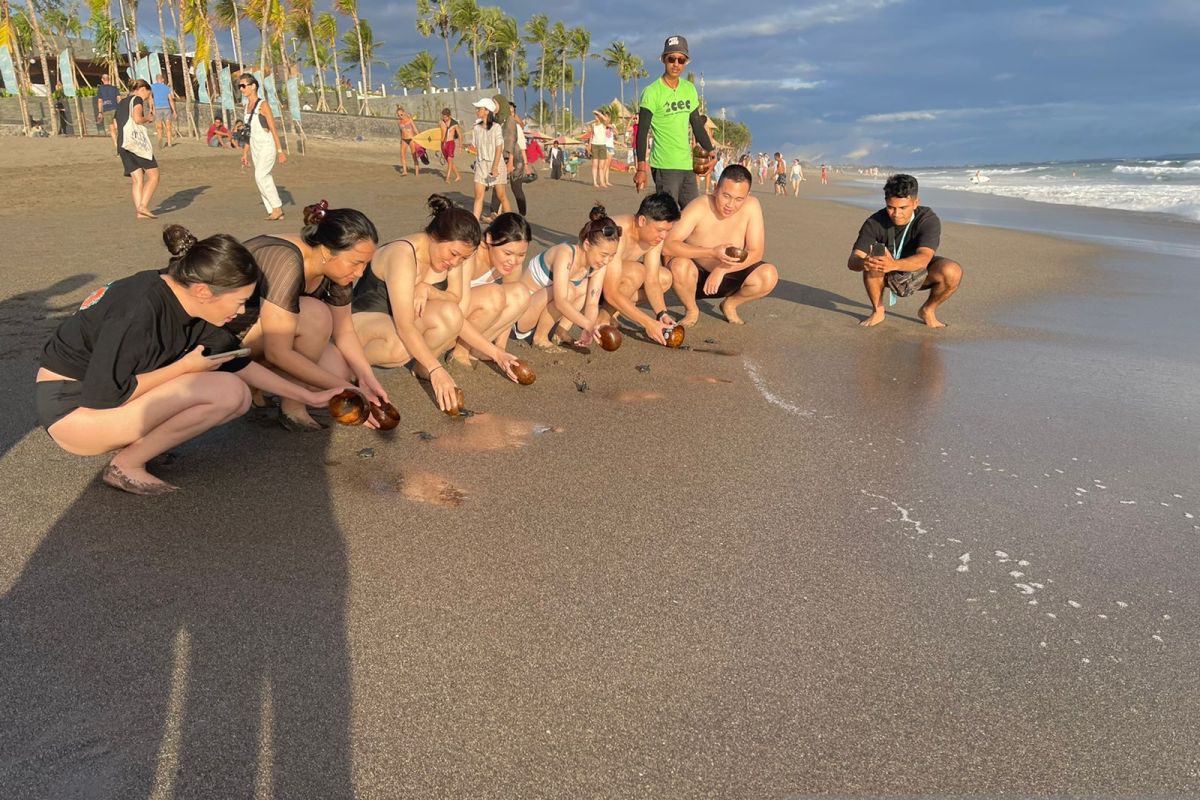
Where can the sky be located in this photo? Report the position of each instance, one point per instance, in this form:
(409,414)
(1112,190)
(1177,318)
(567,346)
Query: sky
(897,82)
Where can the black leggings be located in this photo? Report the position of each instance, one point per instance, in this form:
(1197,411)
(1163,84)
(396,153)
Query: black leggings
(516,185)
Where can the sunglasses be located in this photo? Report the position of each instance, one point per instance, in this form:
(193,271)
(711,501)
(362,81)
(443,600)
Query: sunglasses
(611,231)
(676,60)
(245,85)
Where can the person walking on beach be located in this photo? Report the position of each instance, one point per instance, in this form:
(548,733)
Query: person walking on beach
(896,249)
(139,166)
(107,97)
(669,106)
(513,128)
(164,109)
(824,175)
(698,249)
(451,133)
(600,148)
(490,168)
(797,177)
(408,130)
(264,147)
(780,174)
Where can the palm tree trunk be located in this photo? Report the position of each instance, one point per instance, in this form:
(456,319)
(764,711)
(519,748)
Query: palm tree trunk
(337,75)
(542,85)
(449,66)
(19,64)
(265,14)
(312,46)
(187,81)
(582,81)
(40,45)
(129,46)
(362,64)
(162,36)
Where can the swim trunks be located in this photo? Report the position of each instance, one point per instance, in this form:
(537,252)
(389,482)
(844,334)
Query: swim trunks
(729,284)
(903,284)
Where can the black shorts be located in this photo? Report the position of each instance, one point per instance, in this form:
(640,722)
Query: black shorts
(679,183)
(56,399)
(133,162)
(781,179)
(729,284)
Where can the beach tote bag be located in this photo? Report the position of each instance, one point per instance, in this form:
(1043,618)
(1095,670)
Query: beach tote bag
(134,138)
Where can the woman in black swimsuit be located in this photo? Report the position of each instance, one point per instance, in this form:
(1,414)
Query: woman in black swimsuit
(133,370)
(303,300)
(401,317)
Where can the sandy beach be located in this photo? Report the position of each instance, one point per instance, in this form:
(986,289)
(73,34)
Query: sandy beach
(800,558)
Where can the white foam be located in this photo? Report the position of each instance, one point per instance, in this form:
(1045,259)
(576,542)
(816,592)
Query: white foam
(768,395)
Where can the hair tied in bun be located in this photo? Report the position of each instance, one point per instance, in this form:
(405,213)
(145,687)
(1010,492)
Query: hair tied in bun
(315,213)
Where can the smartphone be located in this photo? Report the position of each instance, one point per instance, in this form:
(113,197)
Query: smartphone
(242,353)
(877,250)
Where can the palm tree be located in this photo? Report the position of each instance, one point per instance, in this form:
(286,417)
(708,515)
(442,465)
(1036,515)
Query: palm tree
(418,73)
(537,31)
(637,70)
(581,46)
(187,81)
(434,15)
(8,36)
(162,35)
(616,56)
(39,44)
(230,16)
(349,8)
(358,42)
(302,27)
(466,18)
(560,44)
(326,30)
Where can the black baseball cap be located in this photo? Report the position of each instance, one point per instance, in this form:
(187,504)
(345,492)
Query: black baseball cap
(675,44)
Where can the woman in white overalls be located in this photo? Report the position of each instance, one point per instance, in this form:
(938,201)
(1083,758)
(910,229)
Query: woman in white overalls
(264,145)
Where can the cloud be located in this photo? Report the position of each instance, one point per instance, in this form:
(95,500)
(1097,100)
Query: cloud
(783,84)
(943,114)
(861,152)
(762,106)
(901,116)
(831,12)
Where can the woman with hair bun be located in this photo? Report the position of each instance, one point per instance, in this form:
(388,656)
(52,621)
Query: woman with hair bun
(303,299)
(566,282)
(145,363)
(489,289)
(399,315)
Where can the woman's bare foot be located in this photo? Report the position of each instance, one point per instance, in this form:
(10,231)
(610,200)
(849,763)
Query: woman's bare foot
(294,417)
(135,480)
(873,320)
(275,217)
(462,355)
(730,312)
(690,318)
(928,316)
(544,344)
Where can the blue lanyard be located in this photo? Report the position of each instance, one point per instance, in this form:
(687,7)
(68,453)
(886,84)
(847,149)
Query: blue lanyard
(900,246)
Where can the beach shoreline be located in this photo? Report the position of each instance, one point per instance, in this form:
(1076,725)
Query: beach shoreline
(814,559)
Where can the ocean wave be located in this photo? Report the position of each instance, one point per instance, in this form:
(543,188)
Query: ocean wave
(1175,200)
(1191,168)
(1008,170)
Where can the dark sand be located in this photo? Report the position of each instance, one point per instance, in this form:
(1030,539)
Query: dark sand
(824,561)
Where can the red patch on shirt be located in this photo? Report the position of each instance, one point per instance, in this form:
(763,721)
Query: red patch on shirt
(93,298)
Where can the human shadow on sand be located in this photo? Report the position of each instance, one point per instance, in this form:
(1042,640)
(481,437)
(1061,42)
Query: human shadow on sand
(180,200)
(187,646)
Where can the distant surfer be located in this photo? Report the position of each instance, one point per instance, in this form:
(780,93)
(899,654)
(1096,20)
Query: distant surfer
(904,236)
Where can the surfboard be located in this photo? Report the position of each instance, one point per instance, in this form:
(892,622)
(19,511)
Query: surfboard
(979,179)
(430,139)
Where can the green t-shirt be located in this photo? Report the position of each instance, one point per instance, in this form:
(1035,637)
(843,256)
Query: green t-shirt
(671,109)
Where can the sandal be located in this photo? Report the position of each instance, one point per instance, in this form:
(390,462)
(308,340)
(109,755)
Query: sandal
(117,479)
(294,425)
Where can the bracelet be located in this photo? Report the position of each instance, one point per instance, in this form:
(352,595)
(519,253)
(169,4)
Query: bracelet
(435,369)
(658,314)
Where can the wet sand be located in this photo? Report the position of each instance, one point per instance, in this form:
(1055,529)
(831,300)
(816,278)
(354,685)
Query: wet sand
(813,560)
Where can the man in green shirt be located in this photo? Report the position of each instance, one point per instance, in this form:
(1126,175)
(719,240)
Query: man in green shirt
(669,107)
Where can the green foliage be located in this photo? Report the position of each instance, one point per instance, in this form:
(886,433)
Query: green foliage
(419,72)
(732,134)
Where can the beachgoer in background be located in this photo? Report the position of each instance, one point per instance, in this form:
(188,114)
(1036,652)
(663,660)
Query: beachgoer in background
(906,236)
(797,176)
(780,175)
(451,134)
(218,135)
(145,364)
(303,299)
(490,169)
(636,274)
(397,318)
(263,145)
(533,152)
(142,170)
(697,255)
(567,281)
(599,146)
(669,106)
(107,97)
(718,168)
(488,290)
(824,174)
(556,160)
(408,129)
(514,153)
(164,109)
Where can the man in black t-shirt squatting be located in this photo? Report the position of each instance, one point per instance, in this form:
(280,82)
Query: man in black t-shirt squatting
(910,235)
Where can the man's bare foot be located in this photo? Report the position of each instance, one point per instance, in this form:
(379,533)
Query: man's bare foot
(690,318)
(730,312)
(544,344)
(463,356)
(930,318)
(873,320)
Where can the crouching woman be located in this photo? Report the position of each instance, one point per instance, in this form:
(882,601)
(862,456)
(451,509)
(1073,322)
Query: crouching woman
(144,364)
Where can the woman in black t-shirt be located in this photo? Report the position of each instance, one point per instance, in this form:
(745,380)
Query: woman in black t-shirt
(303,299)
(138,368)
(143,171)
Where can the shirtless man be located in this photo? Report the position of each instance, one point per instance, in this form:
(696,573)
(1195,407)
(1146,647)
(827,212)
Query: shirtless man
(636,272)
(695,249)
(907,235)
